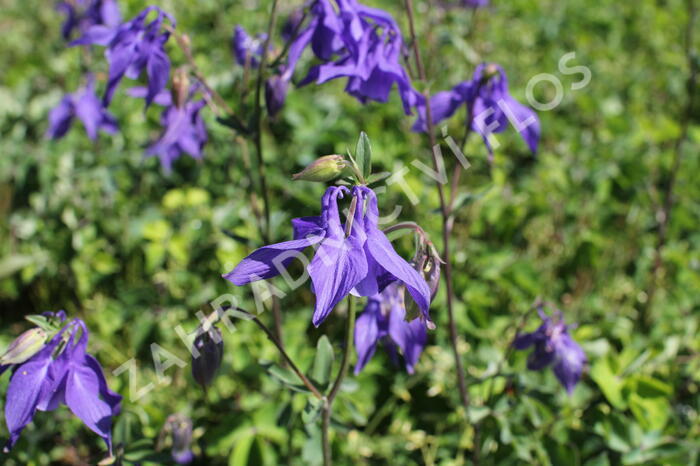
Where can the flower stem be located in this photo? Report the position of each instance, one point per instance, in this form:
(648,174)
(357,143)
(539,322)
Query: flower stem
(257,129)
(305,380)
(344,364)
(446,222)
(668,201)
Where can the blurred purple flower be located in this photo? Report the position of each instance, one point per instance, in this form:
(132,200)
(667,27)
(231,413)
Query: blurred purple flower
(184,130)
(83,14)
(490,105)
(554,347)
(360,43)
(246,48)
(383,320)
(85,105)
(61,372)
(180,427)
(292,24)
(131,47)
(363,263)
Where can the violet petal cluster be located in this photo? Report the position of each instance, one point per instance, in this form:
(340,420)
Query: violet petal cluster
(490,105)
(83,14)
(554,347)
(384,320)
(132,47)
(87,107)
(247,49)
(184,131)
(62,372)
(363,263)
(359,43)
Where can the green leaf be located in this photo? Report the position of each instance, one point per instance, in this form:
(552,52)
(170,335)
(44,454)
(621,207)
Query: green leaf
(363,155)
(42,322)
(286,376)
(312,412)
(610,384)
(323,361)
(241,450)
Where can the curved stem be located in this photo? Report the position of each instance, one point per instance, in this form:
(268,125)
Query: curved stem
(446,223)
(344,364)
(271,336)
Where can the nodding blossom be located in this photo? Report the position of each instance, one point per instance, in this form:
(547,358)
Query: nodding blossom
(554,347)
(363,262)
(61,372)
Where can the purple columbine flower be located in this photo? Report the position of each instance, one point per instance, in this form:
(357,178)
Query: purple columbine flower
(363,263)
(184,130)
(360,43)
(131,47)
(61,372)
(83,14)
(85,105)
(247,49)
(490,105)
(383,320)
(180,427)
(554,347)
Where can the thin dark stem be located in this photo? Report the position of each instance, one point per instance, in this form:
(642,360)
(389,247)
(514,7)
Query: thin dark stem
(446,224)
(258,118)
(213,98)
(668,197)
(344,364)
(271,336)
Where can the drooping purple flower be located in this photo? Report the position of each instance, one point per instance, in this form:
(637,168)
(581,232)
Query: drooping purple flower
(132,47)
(184,131)
(85,105)
(383,320)
(61,372)
(360,43)
(490,105)
(247,49)
(363,263)
(180,428)
(554,347)
(83,14)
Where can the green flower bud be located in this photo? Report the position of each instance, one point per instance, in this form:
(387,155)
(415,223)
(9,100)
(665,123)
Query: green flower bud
(24,347)
(322,169)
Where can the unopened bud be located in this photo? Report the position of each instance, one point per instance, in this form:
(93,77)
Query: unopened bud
(322,169)
(211,352)
(181,87)
(24,347)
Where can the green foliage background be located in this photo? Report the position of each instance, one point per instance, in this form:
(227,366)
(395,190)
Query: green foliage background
(100,231)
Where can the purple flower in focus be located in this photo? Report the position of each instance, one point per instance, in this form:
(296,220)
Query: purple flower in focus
(363,263)
(61,372)
(82,14)
(554,347)
(131,47)
(184,130)
(85,105)
(247,49)
(490,105)
(383,320)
